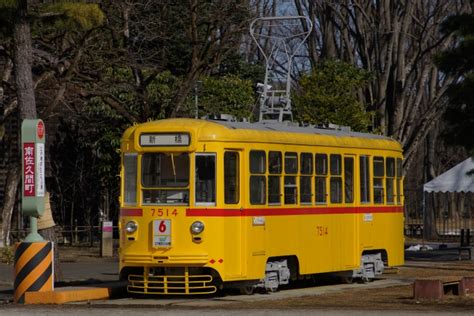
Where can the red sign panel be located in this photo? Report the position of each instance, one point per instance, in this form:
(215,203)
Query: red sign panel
(40,129)
(107,227)
(29,169)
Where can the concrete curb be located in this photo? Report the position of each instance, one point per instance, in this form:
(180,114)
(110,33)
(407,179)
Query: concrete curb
(77,294)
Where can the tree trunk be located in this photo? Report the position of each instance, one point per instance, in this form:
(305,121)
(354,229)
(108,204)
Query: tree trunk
(13,179)
(22,58)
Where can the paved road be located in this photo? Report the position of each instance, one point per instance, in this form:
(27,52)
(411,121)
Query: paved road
(70,311)
(99,271)
(92,272)
(72,271)
(219,302)
(107,270)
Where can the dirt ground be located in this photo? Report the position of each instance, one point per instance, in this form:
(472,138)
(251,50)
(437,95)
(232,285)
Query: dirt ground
(390,298)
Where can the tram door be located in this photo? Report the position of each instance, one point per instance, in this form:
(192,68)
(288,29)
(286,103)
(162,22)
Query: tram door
(233,224)
(349,240)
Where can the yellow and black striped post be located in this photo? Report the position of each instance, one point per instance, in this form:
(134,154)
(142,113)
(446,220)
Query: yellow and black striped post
(34,269)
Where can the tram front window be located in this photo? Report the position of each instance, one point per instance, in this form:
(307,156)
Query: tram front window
(165,178)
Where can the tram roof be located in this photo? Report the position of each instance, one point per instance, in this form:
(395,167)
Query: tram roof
(213,130)
(289,128)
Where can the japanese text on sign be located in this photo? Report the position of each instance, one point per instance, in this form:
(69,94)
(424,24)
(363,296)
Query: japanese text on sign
(29,169)
(40,185)
(180,139)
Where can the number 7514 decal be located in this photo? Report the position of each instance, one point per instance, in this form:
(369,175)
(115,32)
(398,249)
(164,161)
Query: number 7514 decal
(159,212)
(322,230)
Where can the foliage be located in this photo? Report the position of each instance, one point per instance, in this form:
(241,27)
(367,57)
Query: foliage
(85,163)
(149,102)
(224,95)
(460,60)
(73,15)
(6,255)
(160,93)
(329,95)
(103,129)
(234,64)
(7,10)
(460,114)
(7,3)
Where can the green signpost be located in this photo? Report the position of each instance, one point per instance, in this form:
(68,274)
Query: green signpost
(33,181)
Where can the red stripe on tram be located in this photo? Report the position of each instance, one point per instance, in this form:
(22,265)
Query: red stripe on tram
(131,212)
(217,212)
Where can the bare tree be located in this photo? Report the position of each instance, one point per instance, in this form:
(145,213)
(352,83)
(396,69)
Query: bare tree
(215,30)
(396,41)
(149,37)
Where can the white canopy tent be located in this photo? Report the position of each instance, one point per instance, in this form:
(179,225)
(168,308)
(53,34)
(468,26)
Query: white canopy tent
(460,178)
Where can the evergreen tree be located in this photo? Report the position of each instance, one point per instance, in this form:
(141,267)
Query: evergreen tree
(329,95)
(460,61)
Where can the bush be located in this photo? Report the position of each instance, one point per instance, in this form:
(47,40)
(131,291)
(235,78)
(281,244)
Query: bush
(6,255)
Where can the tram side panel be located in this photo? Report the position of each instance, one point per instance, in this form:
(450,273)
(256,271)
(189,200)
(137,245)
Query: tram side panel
(387,234)
(316,244)
(321,242)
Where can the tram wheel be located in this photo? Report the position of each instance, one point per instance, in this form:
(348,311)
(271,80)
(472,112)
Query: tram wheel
(271,289)
(247,290)
(366,280)
(347,280)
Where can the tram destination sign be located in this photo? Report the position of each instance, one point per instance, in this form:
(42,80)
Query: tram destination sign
(175,139)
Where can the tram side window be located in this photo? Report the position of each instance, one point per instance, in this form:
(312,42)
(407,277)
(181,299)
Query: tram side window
(399,182)
(257,177)
(205,184)
(364,179)
(257,161)
(231,177)
(130,178)
(389,179)
(378,165)
(274,177)
(291,169)
(349,179)
(335,181)
(306,170)
(321,176)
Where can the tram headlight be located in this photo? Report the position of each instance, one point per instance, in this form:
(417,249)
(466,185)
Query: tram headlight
(131,227)
(197,227)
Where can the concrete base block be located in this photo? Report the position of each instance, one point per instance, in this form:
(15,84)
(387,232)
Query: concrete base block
(77,294)
(466,286)
(428,289)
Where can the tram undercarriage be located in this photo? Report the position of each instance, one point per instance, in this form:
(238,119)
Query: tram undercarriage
(200,280)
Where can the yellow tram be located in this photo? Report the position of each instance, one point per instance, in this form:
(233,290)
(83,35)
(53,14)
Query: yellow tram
(218,204)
